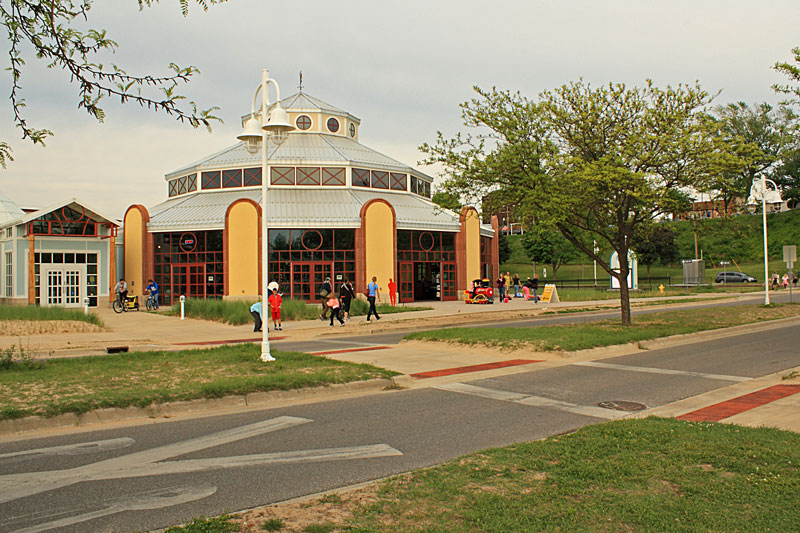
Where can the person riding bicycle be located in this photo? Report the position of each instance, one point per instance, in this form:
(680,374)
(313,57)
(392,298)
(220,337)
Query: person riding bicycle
(121,290)
(152,290)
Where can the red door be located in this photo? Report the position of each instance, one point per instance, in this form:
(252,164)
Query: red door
(449,281)
(406,272)
(188,280)
(307,278)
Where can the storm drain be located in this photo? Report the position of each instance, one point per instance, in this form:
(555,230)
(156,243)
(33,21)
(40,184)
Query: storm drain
(621,405)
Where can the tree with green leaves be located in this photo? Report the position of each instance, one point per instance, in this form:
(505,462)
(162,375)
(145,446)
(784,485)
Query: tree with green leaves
(594,163)
(503,248)
(49,28)
(761,136)
(655,243)
(548,245)
(447,200)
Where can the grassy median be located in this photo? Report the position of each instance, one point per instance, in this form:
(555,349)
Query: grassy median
(49,388)
(571,337)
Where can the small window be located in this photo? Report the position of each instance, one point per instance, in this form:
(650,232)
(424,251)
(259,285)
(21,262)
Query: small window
(333,125)
(352,130)
(252,176)
(211,180)
(303,122)
(360,177)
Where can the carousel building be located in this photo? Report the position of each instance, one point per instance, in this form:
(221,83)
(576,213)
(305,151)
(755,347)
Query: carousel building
(334,208)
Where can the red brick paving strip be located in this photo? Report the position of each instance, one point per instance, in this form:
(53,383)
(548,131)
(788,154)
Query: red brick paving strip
(716,412)
(473,368)
(351,350)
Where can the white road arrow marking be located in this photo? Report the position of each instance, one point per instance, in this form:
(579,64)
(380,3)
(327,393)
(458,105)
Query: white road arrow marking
(15,486)
(535,401)
(152,499)
(82,448)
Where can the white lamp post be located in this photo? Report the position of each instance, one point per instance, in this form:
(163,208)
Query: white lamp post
(760,192)
(255,135)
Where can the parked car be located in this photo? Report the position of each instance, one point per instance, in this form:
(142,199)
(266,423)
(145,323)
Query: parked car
(733,277)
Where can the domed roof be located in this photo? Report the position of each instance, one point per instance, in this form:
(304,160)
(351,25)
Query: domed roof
(8,209)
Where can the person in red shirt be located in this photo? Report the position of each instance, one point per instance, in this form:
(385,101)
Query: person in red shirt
(275,301)
(392,291)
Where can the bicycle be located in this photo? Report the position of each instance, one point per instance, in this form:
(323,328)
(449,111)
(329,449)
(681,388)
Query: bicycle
(131,303)
(152,302)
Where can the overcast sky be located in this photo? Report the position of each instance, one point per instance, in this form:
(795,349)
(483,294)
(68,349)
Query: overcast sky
(401,67)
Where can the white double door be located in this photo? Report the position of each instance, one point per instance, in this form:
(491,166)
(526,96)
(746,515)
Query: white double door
(63,285)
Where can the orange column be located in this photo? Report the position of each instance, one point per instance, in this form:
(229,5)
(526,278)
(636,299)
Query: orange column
(31,271)
(112,266)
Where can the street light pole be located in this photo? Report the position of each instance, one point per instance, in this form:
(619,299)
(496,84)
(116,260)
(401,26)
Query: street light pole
(766,253)
(255,132)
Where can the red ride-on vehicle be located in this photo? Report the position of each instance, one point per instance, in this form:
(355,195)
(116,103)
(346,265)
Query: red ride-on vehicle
(481,292)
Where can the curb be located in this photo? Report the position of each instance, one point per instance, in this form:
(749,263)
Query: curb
(255,400)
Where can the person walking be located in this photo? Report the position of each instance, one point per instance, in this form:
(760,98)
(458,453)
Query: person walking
(373,292)
(346,295)
(275,301)
(526,288)
(775,281)
(333,305)
(507,278)
(255,312)
(501,288)
(516,286)
(535,287)
(324,293)
(392,291)
(785,281)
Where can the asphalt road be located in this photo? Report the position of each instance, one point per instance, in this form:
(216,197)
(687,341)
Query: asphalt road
(151,476)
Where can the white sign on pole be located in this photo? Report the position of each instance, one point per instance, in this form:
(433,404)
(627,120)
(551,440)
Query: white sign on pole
(790,255)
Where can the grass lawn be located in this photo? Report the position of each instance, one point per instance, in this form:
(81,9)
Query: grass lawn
(39,313)
(644,475)
(142,378)
(571,337)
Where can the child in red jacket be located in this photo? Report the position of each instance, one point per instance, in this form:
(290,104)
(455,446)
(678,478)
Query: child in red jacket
(275,301)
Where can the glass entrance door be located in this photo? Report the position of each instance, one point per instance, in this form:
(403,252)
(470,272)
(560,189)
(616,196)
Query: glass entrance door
(307,279)
(189,280)
(72,288)
(55,287)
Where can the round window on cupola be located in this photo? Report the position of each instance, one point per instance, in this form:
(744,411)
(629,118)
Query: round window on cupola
(333,125)
(303,122)
(352,130)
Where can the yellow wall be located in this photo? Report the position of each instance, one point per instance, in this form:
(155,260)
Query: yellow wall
(134,252)
(243,250)
(473,245)
(379,240)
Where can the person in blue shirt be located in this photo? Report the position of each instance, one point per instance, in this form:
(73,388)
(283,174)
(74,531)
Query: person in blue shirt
(152,290)
(373,291)
(255,311)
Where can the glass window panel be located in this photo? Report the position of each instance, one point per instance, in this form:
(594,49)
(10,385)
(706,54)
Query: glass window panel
(308,176)
(398,181)
(211,180)
(333,176)
(360,177)
(252,176)
(232,178)
(380,179)
(282,175)
(58,258)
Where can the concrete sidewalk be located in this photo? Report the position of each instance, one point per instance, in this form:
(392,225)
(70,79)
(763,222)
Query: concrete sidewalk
(421,364)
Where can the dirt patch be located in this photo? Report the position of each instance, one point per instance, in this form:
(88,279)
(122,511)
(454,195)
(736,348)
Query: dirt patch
(17,328)
(296,515)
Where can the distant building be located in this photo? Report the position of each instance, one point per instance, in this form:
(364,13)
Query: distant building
(508,223)
(56,256)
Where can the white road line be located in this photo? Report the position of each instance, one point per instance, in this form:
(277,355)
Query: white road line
(152,499)
(651,370)
(82,448)
(534,401)
(15,486)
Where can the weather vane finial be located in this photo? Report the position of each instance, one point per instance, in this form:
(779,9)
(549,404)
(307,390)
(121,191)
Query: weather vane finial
(301,82)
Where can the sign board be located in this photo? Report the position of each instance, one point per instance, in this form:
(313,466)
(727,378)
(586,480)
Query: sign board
(550,294)
(790,255)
